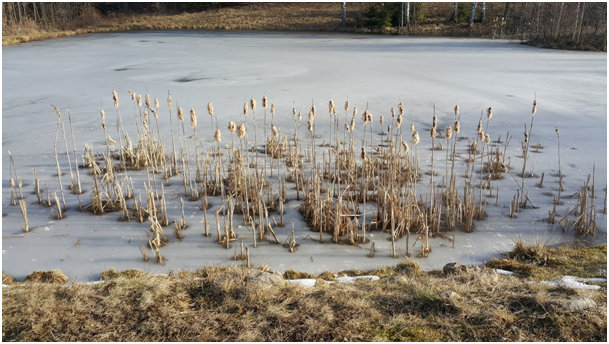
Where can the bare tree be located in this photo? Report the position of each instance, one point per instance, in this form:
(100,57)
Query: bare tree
(482,11)
(471,18)
(343,14)
(455,9)
(407,13)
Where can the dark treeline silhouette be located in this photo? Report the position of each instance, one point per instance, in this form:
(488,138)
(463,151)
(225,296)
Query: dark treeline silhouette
(570,25)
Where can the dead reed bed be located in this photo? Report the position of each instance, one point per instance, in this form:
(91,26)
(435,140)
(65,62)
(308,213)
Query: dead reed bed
(345,187)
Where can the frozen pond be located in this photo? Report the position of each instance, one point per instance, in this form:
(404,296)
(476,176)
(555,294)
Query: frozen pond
(292,70)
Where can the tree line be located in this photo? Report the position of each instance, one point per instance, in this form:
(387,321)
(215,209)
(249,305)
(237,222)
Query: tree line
(553,24)
(576,25)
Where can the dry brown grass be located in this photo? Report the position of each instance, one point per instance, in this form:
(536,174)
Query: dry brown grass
(228,304)
(253,16)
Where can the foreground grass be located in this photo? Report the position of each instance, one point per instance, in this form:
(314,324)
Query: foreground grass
(218,304)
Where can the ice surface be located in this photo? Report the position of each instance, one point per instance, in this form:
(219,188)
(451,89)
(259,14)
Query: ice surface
(79,73)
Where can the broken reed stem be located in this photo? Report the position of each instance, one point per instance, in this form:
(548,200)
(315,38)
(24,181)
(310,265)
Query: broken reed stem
(22,205)
(59,215)
(59,170)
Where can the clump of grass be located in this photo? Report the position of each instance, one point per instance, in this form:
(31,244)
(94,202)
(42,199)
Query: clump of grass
(53,276)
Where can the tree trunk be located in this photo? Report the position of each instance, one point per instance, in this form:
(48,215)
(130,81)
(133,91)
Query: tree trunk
(414,15)
(471,18)
(576,20)
(343,14)
(407,13)
(401,18)
(581,21)
(482,12)
(455,14)
(557,31)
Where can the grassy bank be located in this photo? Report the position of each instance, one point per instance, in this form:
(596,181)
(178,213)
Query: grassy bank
(249,17)
(234,304)
(502,20)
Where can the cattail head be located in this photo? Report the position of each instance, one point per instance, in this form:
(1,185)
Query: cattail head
(103,116)
(398,122)
(272,108)
(363,154)
(210,109)
(218,135)
(169,102)
(58,112)
(294,113)
(401,108)
(264,102)
(487,138)
(311,116)
(557,132)
(479,129)
(274,131)
(253,104)
(389,128)
(457,126)
(432,132)
(147,100)
(415,138)
(180,113)
(310,126)
(392,112)
(115,98)
(132,94)
(381,119)
(449,132)
(299,116)
(405,146)
(481,135)
(139,100)
(352,125)
(435,121)
(146,117)
(154,112)
(241,130)
(347,105)
(456,110)
(354,111)
(489,113)
(534,107)
(193,118)
(412,131)
(526,136)
(331,107)
(156,103)
(12,182)
(346,127)
(313,110)
(232,126)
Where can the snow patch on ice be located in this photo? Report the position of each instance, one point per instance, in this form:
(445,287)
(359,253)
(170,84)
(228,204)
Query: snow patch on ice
(575,282)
